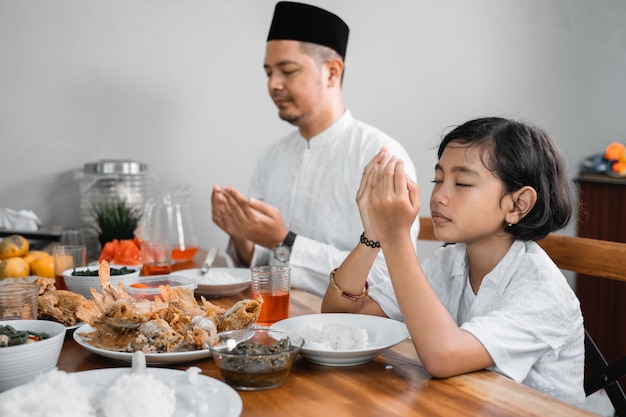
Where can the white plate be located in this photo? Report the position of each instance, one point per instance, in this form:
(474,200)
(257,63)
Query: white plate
(151,358)
(240,281)
(73,327)
(207,397)
(382,333)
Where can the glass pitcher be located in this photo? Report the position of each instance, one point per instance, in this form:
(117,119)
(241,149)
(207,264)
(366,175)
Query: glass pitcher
(167,218)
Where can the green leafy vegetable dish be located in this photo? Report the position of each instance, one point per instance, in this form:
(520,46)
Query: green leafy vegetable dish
(94,273)
(9,336)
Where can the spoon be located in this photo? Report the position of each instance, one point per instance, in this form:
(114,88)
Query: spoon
(208,261)
(138,363)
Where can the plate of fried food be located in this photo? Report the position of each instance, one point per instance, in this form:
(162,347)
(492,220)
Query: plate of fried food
(173,328)
(81,336)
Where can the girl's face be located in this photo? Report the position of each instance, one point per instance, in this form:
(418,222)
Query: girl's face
(467,203)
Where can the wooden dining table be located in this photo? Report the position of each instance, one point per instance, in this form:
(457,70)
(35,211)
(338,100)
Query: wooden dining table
(392,384)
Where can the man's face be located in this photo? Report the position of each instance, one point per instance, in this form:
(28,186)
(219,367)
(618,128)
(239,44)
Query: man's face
(294,81)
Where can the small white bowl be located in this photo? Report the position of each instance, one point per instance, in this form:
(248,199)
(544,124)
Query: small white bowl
(218,282)
(83,284)
(22,363)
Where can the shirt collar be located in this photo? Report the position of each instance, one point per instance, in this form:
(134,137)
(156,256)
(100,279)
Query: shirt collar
(333,131)
(500,276)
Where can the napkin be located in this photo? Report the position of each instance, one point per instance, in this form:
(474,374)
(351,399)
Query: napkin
(25,220)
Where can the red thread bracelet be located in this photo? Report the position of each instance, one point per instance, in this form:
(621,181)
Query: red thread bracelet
(344,294)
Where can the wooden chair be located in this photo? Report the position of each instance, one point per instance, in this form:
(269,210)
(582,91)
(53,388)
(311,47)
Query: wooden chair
(592,257)
(602,259)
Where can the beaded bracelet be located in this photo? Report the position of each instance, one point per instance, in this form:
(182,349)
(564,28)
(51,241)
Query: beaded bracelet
(345,294)
(371,243)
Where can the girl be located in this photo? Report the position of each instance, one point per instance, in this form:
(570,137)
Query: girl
(494,299)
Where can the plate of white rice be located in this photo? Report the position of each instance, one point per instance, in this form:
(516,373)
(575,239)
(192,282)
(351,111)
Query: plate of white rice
(343,339)
(218,282)
(119,392)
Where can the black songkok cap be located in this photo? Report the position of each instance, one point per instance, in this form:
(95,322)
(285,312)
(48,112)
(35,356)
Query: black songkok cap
(306,23)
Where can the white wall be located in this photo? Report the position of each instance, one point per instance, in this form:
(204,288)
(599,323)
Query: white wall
(179,85)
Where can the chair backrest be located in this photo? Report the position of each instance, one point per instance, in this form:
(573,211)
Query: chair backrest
(601,259)
(597,258)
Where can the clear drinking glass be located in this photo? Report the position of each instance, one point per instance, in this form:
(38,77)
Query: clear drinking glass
(156,258)
(18,301)
(71,236)
(273,284)
(67,257)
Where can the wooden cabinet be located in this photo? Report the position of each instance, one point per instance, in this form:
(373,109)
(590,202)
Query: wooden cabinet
(602,215)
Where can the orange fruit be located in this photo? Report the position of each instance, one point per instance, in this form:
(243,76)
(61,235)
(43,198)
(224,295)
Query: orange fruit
(12,246)
(14,268)
(43,266)
(34,254)
(614,151)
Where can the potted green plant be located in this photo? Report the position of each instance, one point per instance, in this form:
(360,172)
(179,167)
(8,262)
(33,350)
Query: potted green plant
(115,219)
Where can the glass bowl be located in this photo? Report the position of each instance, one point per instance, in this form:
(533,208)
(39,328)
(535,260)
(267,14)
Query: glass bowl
(255,359)
(147,288)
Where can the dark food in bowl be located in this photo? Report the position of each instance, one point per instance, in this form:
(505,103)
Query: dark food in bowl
(261,362)
(94,273)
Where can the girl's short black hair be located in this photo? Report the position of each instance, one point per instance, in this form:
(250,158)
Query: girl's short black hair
(521,155)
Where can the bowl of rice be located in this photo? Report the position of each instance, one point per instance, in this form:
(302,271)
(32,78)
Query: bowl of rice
(27,348)
(125,391)
(343,339)
(255,359)
(82,279)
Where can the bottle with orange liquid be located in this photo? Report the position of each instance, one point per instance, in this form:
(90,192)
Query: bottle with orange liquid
(167,217)
(183,254)
(181,233)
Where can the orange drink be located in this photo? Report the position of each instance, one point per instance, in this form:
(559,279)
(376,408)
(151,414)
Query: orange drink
(271,283)
(184,254)
(67,257)
(156,269)
(275,307)
(156,258)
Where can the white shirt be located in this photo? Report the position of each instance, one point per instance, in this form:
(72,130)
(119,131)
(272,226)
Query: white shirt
(525,314)
(314,184)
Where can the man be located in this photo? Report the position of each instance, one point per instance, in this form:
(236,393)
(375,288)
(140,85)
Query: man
(302,209)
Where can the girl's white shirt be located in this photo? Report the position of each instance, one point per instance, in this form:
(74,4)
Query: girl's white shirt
(525,314)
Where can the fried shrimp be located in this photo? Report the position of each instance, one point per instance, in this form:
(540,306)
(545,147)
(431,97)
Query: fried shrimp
(174,321)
